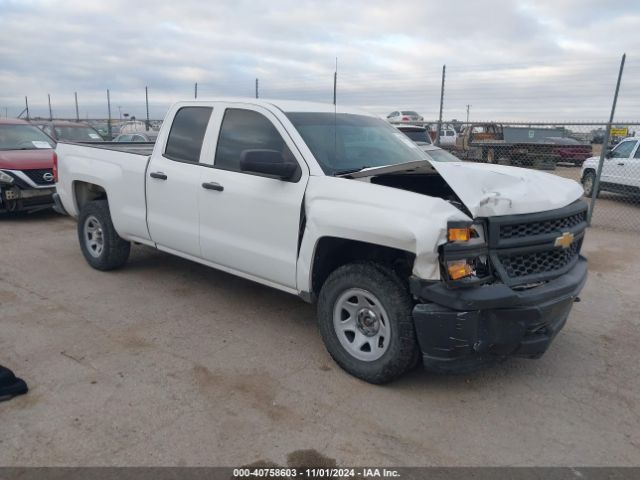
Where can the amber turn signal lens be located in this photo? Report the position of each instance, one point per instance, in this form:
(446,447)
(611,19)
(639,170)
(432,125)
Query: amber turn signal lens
(459,234)
(459,269)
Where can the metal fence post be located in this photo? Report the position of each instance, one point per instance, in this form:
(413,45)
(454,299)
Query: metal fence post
(195,91)
(444,69)
(256,88)
(146,98)
(109,130)
(605,144)
(77,112)
(26,106)
(50,112)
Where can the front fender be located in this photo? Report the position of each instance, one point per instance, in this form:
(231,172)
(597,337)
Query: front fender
(376,214)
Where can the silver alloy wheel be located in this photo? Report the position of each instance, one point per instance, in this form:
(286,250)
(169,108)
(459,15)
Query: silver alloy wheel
(361,324)
(587,184)
(93,236)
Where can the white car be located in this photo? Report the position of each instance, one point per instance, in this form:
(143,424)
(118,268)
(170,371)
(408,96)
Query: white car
(409,254)
(620,170)
(448,137)
(404,116)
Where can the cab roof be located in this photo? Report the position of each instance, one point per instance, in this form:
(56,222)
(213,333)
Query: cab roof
(287,106)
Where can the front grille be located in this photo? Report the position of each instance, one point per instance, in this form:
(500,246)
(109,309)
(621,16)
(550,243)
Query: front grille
(523,247)
(546,261)
(522,230)
(37,174)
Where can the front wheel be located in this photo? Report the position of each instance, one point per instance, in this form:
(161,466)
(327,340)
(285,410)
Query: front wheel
(101,245)
(588,183)
(364,316)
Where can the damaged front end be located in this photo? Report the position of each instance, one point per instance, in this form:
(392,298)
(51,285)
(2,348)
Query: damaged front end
(507,290)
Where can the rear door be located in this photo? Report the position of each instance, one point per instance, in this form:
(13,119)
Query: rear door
(250,222)
(173,183)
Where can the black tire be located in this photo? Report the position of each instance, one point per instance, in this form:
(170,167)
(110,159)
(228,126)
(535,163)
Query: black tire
(588,181)
(402,349)
(115,251)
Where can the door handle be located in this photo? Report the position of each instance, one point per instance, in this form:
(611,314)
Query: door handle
(158,175)
(213,186)
(621,164)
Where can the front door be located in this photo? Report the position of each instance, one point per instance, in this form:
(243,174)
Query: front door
(249,222)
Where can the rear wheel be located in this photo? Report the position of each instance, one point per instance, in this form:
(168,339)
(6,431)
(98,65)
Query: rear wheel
(364,316)
(101,245)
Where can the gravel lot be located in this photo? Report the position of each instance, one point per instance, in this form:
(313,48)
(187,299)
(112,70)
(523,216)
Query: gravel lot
(167,362)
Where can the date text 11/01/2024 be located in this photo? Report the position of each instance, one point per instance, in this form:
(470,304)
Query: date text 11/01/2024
(316,472)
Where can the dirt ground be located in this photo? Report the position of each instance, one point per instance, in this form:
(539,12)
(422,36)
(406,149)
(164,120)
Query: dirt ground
(167,362)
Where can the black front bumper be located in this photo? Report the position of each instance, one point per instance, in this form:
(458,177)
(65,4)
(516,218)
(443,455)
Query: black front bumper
(463,327)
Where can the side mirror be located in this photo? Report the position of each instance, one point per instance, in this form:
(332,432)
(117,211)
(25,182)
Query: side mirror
(267,162)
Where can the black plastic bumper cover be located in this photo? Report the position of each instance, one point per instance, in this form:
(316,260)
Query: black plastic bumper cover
(494,320)
(57,205)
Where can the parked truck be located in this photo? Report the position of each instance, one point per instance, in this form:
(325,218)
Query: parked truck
(409,254)
(540,148)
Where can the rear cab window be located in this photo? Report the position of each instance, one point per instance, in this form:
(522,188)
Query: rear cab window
(186,136)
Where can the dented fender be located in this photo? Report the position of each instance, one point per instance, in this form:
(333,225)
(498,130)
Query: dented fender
(366,212)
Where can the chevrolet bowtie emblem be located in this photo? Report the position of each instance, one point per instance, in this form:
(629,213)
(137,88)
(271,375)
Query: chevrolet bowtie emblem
(565,240)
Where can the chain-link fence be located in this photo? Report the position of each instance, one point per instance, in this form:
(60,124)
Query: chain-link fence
(570,150)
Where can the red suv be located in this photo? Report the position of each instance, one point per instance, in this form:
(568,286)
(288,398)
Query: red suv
(27,180)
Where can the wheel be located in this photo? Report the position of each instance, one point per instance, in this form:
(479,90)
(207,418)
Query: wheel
(364,317)
(101,245)
(491,156)
(588,182)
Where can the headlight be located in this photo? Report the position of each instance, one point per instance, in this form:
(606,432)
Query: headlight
(465,257)
(466,233)
(5,177)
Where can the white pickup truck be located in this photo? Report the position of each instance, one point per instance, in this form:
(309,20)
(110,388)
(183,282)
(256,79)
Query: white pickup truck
(410,254)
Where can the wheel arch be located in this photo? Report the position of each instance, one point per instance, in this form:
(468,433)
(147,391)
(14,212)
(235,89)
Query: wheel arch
(331,253)
(85,192)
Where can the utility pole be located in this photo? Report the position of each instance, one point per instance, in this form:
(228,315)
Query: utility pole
(146,97)
(50,113)
(195,91)
(109,130)
(26,106)
(77,113)
(468,106)
(256,88)
(444,69)
(596,183)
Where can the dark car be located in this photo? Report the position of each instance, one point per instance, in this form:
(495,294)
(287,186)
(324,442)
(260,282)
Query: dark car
(26,167)
(69,131)
(418,134)
(569,150)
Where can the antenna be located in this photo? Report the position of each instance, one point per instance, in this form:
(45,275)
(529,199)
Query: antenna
(335,82)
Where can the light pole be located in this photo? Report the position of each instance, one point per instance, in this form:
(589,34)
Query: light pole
(468,107)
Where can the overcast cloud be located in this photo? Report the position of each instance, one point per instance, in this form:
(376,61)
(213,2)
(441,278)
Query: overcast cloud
(511,60)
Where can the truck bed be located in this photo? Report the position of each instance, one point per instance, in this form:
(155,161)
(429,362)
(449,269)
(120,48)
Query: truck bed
(137,148)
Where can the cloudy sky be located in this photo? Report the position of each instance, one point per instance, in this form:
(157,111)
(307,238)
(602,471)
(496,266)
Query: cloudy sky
(510,60)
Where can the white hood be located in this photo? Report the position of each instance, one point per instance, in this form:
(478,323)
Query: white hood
(492,190)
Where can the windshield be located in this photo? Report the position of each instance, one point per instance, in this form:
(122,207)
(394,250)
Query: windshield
(23,137)
(344,142)
(417,135)
(77,134)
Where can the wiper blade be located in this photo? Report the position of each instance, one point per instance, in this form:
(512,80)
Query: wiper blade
(349,170)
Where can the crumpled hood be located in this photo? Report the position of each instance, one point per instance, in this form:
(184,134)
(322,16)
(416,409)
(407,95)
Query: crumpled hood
(491,190)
